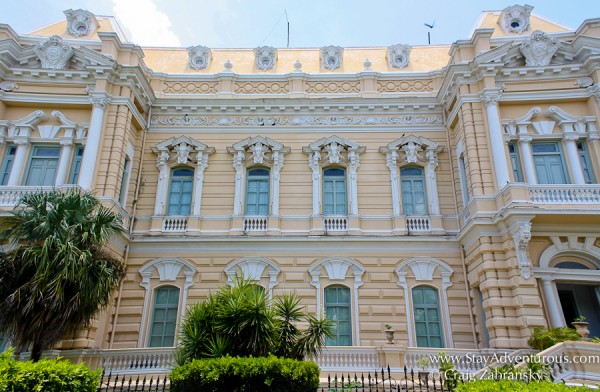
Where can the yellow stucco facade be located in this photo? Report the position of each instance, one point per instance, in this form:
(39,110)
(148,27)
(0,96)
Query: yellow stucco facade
(450,191)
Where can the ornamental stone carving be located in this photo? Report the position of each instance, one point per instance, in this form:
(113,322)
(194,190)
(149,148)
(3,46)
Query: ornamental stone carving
(6,85)
(81,23)
(398,56)
(265,57)
(331,57)
(515,19)
(521,234)
(539,49)
(199,57)
(54,53)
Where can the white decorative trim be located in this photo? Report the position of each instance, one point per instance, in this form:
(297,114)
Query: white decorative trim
(539,49)
(6,85)
(572,246)
(331,57)
(423,269)
(265,57)
(252,269)
(515,19)
(81,23)
(398,55)
(199,57)
(54,53)
(521,233)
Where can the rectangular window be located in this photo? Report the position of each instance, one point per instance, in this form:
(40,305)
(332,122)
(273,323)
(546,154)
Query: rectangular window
(180,192)
(414,200)
(337,309)
(164,317)
(334,192)
(464,185)
(428,324)
(515,162)
(257,192)
(549,165)
(43,166)
(76,166)
(9,158)
(586,165)
(124,181)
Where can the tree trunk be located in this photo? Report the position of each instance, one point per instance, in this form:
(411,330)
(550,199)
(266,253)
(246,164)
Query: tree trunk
(36,351)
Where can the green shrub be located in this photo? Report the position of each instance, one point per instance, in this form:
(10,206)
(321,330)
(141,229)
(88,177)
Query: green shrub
(264,374)
(46,376)
(543,338)
(510,386)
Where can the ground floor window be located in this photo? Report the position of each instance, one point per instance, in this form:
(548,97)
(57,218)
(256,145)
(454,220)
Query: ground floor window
(427,317)
(337,309)
(164,317)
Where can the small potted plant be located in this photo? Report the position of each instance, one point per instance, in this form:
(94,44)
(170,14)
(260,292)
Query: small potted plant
(581,326)
(389,333)
(423,364)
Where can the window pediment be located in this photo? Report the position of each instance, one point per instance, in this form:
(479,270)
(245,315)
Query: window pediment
(168,270)
(179,150)
(411,149)
(337,268)
(25,127)
(334,150)
(258,150)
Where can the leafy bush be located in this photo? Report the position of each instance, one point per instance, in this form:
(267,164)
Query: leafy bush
(263,374)
(46,376)
(510,386)
(543,338)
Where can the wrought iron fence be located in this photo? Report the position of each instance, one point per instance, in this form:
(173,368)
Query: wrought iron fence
(129,383)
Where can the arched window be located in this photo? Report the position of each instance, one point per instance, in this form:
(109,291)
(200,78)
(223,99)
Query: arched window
(414,199)
(337,309)
(334,192)
(180,192)
(571,265)
(164,317)
(426,308)
(257,192)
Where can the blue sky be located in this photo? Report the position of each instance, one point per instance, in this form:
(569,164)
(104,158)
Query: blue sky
(313,23)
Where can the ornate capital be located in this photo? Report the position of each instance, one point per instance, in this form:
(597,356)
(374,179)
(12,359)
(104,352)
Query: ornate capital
(54,53)
(521,233)
(571,136)
(525,138)
(490,99)
(99,101)
(539,49)
(163,158)
(265,57)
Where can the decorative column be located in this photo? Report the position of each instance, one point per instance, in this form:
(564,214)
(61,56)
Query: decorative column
(353,183)
(495,130)
(391,159)
(92,146)
(527,155)
(357,283)
(275,174)
(432,192)
(161,189)
(552,303)
(521,233)
(313,162)
(238,165)
(19,162)
(573,157)
(201,165)
(66,149)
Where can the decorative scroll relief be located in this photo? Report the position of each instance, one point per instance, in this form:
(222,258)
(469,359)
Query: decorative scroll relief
(262,88)
(515,19)
(296,121)
(265,57)
(54,53)
(81,23)
(6,85)
(539,49)
(331,57)
(398,56)
(259,150)
(191,87)
(199,57)
(345,86)
(521,234)
(393,86)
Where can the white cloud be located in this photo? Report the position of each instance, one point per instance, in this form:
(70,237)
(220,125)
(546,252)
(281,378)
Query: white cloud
(148,25)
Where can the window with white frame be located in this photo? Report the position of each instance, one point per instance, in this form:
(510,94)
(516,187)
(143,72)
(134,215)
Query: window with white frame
(181,188)
(164,317)
(76,165)
(586,165)
(515,162)
(124,180)
(334,192)
(7,162)
(549,164)
(426,309)
(258,270)
(414,197)
(257,192)
(43,166)
(338,309)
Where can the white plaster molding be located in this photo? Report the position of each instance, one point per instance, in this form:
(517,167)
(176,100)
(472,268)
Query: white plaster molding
(584,82)
(586,249)
(521,233)
(81,23)
(539,49)
(515,19)
(331,57)
(54,53)
(265,57)
(519,125)
(252,269)
(398,55)
(199,57)
(7,85)
(572,123)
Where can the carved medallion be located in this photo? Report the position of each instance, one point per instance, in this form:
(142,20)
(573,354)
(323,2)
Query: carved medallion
(398,55)
(331,57)
(199,57)
(54,53)
(515,19)
(265,57)
(539,49)
(81,23)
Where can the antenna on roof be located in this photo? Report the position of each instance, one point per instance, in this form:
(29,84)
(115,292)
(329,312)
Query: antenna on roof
(288,29)
(429,32)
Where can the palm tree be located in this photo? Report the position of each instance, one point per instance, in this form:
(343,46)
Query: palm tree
(56,274)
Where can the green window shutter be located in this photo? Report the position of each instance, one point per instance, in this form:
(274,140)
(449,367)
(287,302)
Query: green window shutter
(76,166)
(43,166)
(164,317)
(180,192)
(515,162)
(337,309)
(428,324)
(548,162)
(414,199)
(335,200)
(586,165)
(257,192)
(9,158)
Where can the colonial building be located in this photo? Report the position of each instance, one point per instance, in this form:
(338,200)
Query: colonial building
(449,191)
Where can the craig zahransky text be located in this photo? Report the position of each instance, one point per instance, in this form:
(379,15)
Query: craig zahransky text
(504,358)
